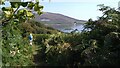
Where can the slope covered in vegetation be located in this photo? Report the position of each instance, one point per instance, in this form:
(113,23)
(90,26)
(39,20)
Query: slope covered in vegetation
(35,28)
(97,45)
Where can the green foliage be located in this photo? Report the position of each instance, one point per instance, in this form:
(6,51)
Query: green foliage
(55,48)
(36,28)
(16,50)
(15,4)
(73,39)
(97,45)
(105,31)
(24,4)
(39,39)
(31,5)
(1,2)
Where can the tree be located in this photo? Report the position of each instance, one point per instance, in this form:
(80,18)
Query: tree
(106,33)
(16,50)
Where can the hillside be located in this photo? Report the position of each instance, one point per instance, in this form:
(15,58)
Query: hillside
(56,18)
(36,28)
(57,21)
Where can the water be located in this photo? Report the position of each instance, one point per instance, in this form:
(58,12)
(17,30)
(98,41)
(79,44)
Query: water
(78,27)
(67,28)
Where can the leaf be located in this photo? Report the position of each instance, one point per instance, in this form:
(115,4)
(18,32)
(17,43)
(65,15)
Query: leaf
(3,9)
(2,2)
(7,12)
(37,0)
(39,12)
(41,7)
(48,48)
(24,4)
(15,22)
(20,12)
(36,8)
(15,4)
(6,9)
(29,14)
(30,5)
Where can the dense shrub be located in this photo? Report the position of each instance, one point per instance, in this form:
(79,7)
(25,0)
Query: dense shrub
(39,39)
(56,49)
(36,28)
(97,45)
(16,50)
(73,39)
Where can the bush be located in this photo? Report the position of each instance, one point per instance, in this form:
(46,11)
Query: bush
(39,39)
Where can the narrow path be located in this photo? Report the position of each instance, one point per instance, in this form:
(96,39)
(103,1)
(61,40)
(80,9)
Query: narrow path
(39,57)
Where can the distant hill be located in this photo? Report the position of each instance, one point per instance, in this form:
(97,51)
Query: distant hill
(55,18)
(58,21)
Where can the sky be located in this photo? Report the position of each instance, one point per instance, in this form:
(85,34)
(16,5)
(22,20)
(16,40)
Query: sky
(80,0)
(79,9)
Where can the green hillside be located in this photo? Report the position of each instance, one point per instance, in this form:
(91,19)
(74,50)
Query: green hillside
(98,45)
(36,28)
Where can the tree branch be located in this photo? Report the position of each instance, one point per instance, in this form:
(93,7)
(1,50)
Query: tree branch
(4,21)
